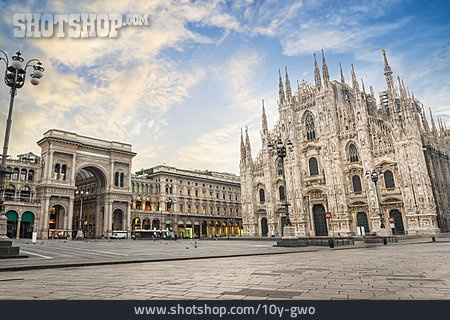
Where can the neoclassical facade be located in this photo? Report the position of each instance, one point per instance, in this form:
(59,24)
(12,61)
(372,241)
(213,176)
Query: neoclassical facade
(340,132)
(45,193)
(190,203)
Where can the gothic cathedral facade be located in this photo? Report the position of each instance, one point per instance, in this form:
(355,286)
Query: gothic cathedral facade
(341,135)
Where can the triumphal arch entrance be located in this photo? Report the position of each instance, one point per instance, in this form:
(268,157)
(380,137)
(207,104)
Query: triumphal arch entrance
(84,186)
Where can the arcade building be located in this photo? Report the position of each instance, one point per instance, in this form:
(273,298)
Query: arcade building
(84,183)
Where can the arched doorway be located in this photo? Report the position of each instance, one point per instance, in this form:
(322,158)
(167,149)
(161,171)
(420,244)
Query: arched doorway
(26,225)
(204,229)
(320,222)
(196,229)
(155,224)
(11,228)
(264,227)
(146,224)
(117,223)
(56,222)
(136,223)
(398,221)
(89,204)
(362,223)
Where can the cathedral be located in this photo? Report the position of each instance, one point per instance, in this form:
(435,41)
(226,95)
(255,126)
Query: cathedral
(352,163)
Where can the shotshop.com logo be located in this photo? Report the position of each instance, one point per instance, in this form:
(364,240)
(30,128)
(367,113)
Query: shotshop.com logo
(74,25)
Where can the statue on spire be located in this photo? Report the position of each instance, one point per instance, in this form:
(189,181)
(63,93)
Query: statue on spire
(243,155)
(388,74)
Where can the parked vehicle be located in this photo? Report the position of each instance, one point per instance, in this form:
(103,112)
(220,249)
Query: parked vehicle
(119,235)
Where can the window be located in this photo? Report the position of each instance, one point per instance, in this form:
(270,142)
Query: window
(189,192)
(313,167)
(56,172)
(30,175)
(309,124)
(181,208)
(23,174)
(389,180)
(262,196)
(116,179)
(121,182)
(352,153)
(196,209)
(210,210)
(196,193)
(281,192)
(189,209)
(204,210)
(16,174)
(25,194)
(356,184)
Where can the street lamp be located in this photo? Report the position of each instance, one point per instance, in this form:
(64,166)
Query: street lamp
(82,194)
(375,176)
(280,148)
(15,75)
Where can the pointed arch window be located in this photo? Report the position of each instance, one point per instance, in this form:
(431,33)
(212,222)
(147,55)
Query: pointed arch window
(389,179)
(310,130)
(313,167)
(356,180)
(281,193)
(353,153)
(262,196)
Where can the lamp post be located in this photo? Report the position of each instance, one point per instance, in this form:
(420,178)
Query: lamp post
(82,194)
(375,176)
(15,75)
(280,148)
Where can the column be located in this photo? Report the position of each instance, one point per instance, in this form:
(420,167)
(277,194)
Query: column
(70,218)
(72,171)
(19,219)
(98,219)
(50,165)
(128,221)
(45,215)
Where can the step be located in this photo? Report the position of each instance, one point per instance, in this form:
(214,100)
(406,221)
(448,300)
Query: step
(5,243)
(9,251)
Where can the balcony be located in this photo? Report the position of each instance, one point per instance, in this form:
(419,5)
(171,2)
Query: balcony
(22,201)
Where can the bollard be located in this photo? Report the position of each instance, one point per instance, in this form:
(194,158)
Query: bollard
(331,243)
(384,240)
(433,239)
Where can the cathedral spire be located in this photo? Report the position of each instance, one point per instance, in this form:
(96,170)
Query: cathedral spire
(363,88)
(288,88)
(354,80)
(342,74)
(248,149)
(388,73)
(401,86)
(281,96)
(433,125)
(325,73)
(243,155)
(317,74)
(264,118)
(424,120)
(441,126)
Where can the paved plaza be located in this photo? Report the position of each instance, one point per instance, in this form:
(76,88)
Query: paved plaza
(407,270)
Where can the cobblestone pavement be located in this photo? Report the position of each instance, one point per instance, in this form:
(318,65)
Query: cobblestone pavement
(410,271)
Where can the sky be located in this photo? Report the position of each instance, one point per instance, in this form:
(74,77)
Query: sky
(181,89)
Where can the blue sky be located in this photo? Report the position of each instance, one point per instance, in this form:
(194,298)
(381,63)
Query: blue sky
(180,89)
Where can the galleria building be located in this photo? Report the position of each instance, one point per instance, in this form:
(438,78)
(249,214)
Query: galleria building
(83,183)
(340,133)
